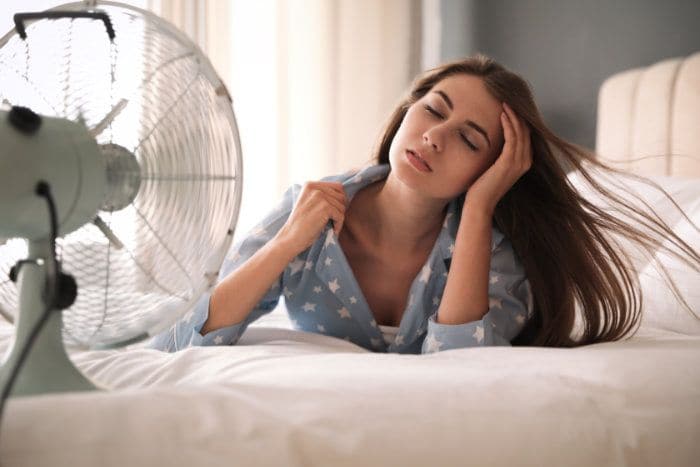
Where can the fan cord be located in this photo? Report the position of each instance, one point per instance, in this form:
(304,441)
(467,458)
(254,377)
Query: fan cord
(43,190)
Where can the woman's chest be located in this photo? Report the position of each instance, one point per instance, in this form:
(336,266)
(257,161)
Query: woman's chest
(385,282)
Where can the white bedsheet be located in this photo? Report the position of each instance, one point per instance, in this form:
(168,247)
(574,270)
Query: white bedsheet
(298,399)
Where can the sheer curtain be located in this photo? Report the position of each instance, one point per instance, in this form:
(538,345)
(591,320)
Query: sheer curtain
(312,81)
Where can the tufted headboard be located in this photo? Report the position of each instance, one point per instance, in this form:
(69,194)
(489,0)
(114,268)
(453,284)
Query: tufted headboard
(652,111)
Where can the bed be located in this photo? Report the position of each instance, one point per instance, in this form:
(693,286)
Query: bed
(288,398)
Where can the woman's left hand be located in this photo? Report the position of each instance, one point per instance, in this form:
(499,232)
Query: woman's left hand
(515,159)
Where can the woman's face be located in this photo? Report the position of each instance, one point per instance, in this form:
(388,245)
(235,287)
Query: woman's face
(455,129)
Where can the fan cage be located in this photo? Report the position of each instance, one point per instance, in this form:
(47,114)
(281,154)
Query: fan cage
(174,114)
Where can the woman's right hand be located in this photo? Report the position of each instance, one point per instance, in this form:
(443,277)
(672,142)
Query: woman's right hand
(318,203)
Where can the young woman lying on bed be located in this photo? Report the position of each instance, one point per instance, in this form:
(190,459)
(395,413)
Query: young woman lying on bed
(466,232)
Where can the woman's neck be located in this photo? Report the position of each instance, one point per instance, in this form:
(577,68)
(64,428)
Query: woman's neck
(396,217)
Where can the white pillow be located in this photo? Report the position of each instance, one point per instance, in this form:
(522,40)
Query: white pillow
(661,310)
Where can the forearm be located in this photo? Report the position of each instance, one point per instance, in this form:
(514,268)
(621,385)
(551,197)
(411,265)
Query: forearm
(235,296)
(466,298)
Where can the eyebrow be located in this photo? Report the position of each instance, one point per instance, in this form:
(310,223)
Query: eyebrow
(448,101)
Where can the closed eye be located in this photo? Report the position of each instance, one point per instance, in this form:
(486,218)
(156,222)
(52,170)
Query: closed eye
(433,111)
(464,138)
(467,142)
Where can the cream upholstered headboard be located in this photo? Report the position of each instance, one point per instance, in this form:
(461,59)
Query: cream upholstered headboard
(652,111)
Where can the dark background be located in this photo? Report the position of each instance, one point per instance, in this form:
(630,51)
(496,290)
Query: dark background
(565,49)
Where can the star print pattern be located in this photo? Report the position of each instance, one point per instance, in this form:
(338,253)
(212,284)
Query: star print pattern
(432,344)
(495,303)
(479,334)
(329,238)
(296,265)
(447,217)
(425,273)
(259,232)
(333,285)
(322,295)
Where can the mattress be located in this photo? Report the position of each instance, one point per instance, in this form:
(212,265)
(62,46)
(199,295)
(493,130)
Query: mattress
(288,398)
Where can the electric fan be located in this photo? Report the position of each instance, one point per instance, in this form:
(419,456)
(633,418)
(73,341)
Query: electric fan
(120,165)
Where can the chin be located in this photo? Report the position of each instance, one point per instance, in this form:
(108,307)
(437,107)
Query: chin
(404,172)
(432,186)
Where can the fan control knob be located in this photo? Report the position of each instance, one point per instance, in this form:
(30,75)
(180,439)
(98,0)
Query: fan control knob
(24,119)
(66,293)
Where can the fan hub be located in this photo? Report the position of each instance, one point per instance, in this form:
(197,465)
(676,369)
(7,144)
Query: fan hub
(123,177)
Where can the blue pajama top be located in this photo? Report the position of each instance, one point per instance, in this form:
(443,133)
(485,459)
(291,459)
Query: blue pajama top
(322,294)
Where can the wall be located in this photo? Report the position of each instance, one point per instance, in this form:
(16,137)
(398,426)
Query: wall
(565,49)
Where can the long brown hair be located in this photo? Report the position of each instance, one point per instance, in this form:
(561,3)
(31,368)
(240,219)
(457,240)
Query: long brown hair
(563,240)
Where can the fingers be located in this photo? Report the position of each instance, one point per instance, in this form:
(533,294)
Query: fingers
(334,202)
(338,220)
(515,133)
(332,210)
(333,189)
(520,136)
(508,135)
(335,196)
(326,200)
(328,189)
(326,192)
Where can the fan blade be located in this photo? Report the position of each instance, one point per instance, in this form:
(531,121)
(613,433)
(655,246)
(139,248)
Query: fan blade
(104,228)
(116,110)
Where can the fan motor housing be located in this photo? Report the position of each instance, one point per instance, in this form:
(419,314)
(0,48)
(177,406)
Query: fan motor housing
(63,154)
(123,177)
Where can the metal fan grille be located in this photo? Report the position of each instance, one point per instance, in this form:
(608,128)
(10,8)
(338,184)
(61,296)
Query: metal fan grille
(176,118)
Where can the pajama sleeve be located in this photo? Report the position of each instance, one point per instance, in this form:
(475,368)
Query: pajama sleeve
(510,305)
(186,332)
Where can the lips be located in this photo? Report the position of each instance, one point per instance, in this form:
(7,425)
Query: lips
(419,156)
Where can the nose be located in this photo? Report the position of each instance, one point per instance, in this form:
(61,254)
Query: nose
(432,138)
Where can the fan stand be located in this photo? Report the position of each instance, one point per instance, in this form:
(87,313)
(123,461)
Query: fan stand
(47,368)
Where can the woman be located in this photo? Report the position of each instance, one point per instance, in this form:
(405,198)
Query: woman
(466,232)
